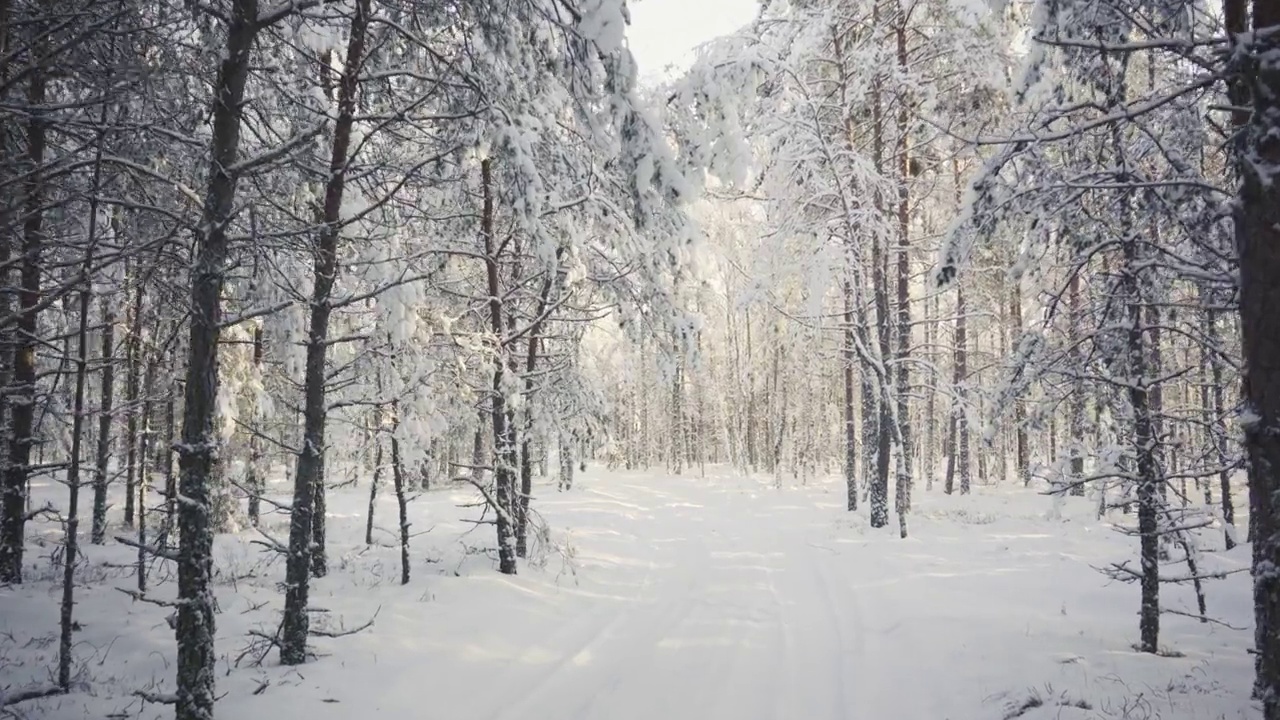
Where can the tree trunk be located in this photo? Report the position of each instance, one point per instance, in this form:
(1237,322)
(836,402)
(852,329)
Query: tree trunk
(10,211)
(1144,442)
(1075,405)
(676,458)
(526,460)
(477,447)
(1155,395)
(170,481)
(566,462)
(397,478)
(930,453)
(1257,220)
(306,521)
(850,431)
(101,480)
(197,453)
(144,471)
(1022,442)
(373,487)
(504,449)
(902,492)
(879,489)
(13,511)
(959,440)
(71,541)
(71,545)
(1214,413)
(133,361)
(255,475)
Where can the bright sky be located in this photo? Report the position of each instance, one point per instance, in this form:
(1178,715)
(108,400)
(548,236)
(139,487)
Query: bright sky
(665,32)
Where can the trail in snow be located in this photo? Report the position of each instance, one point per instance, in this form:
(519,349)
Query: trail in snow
(706,599)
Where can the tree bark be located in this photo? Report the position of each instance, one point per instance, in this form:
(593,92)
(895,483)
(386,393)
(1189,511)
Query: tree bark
(101,480)
(566,462)
(526,460)
(144,471)
(1257,226)
(256,480)
(902,492)
(397,478)
(71,542)
(170,480)
(373,487)
(930,453)
(958,440)
(879,489)
(1211,397)
(10,210)
(1022,442)
(133,359)
(13,510)
(197,453)
(504,449)
(1075,404)
(1144,444)
(850,431)
(306,522)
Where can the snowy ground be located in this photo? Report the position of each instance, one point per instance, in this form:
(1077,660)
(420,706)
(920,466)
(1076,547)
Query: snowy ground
(673,598)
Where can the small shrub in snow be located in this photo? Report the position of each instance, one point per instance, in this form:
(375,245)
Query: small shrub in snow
(1037,698)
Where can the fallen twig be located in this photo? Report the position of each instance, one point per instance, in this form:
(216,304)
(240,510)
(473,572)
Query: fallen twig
(30,694)
(157,698)
(352,631)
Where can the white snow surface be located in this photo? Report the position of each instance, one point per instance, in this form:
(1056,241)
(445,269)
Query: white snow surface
(662,598)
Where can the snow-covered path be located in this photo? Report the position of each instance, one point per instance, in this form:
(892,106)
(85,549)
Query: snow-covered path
(726,615)
(716,598)
(726,599)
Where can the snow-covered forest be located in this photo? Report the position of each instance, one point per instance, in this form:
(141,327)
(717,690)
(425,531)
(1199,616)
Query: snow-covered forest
(405,358)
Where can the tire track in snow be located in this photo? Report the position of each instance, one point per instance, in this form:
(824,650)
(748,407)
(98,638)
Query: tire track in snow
(785,649)
(702,654)
(741,619)
(851,644)
(573,683)
(570,640)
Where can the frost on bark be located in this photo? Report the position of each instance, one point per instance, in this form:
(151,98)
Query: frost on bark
(197,452)
(1075,403)
(504,448)
(566,462)
(958,460)
(902,370)
(526,446)
(879,482)
(1258,241)
(850,431)
(1144,448)
(306,522)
